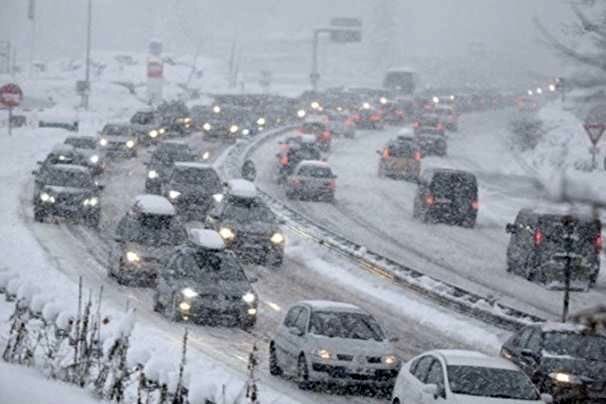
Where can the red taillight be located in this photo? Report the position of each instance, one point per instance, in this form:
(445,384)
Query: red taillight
(375,117)
(537,237)
(440,126)
(284,160)
(429,199)
(475,205)
(333,184)
(416,124)
(599,242)
(418,155)
(325,135)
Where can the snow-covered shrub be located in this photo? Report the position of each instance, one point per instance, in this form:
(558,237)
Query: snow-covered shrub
(527,130)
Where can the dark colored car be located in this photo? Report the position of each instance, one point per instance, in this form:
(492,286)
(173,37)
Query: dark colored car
(228,123)
(319,129)
(563,360)
(161,163)
(204,283)
(311,180)
(432,145)
(147,233)
(539,245)
(368,117)
(118,140)
(68,191)
(293,151)
(192,188)
(86,147)
(430,124)
(147,127)
(447,196)
(247,225)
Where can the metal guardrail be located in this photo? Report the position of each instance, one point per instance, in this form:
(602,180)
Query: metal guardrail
(443,293)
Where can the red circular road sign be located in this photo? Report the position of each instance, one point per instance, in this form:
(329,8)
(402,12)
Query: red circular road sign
(11,95)
(595,123)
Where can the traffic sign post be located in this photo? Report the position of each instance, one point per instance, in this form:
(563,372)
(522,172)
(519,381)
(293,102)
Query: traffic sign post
(595,126)
(10,96)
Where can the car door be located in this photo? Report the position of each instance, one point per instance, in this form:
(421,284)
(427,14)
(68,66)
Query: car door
(436,376)
(282,342)
(519,348)
(166,284)
(413,382)
(297,336)
(519,242)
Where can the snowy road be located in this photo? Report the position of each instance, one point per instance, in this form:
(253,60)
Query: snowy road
(378,212)
(78,251)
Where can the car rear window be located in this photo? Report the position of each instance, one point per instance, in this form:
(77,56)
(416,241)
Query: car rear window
(554,231)
(454,184)
(315,172)
(314,127)
(402,150)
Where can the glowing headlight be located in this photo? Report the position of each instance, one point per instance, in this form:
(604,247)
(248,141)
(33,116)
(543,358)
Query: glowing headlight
(324,354)
(174,194)
(261,121)
(301,113)
(218,197)
(205,155)
(44,197)
(249,297)
(103,142)
(132,257)
(187,120)
(184,306)
(390,360)
(94,159)
(366,105)
(130,144)
(245,132)
(153,133)
(383,100)
(252,311)
(62,158)
(162,131)
(226,233)
(436,100)
(92,201)
(277,238)
(565,378)
(152,174)
(207,126)
(233,128)
(216,109)
(315,105)
(189,293)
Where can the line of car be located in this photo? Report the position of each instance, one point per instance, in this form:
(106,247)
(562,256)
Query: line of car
(190,235)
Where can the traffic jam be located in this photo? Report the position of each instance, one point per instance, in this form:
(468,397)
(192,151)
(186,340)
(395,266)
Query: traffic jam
(192,235)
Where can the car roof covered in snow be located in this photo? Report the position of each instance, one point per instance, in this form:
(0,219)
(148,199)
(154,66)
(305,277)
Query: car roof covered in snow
(326,305)
(62,148)
(154,205)
(193,164)
(205,238)
(307,139)
(458,357)
(242,189)
(406,131)
(432,171)
(316,119)
(552,326)
(70,167)
(313,163)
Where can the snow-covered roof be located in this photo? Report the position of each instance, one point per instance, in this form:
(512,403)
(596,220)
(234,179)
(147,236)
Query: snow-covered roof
(205,238)
(551,326)
(316,119)
(192,164)
(398,69)
(62,148)
(242,188)
(314,163)
(473,358)
(326,305)
(70,167)
(406,131)
(308,139)
(154,205)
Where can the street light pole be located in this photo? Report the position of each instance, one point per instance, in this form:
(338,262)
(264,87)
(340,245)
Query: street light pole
(315,76)
(568,222)
(86,94)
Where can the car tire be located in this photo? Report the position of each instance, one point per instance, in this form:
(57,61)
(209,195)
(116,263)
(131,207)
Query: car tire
(247,323)
(303,374)
(158,307)
(274,366)
(396,401)
(93,220)
(39,215)
(290,195)
(170,311)
(468,223)
(593,279)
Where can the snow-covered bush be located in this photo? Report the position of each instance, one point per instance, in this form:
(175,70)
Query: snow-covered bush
(527,130)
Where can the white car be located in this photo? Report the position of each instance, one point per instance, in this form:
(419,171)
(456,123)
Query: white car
(333,342)
(463,377)
(312,179)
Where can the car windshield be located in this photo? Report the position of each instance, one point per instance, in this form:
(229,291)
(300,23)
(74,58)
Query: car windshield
(588,347)
(304,153)
(430,121)
(143,118)
(315,171)
(116,130)
(345,325)
(491,382)
(314,127)
(210,267)
(151,230)
(169,156)
(82,143)
(67,178)
(248,212)
(197,176)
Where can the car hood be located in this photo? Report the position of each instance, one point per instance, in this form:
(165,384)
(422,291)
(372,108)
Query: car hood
(218,288)
(193,190)
(579,367)
(464,399)
(253,227)
(54,189)
(354,347)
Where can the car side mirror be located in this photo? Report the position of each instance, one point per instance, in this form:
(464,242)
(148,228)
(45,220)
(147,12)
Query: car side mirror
(510,228)
(100,187)
(547,398)
(431,390)
(295,331)
(529,356)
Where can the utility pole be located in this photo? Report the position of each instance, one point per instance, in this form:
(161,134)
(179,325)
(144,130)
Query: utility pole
(568,223)
(86,93)
(31,15)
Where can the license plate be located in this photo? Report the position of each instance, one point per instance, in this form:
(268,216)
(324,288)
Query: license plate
(365,372)
(443,200)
